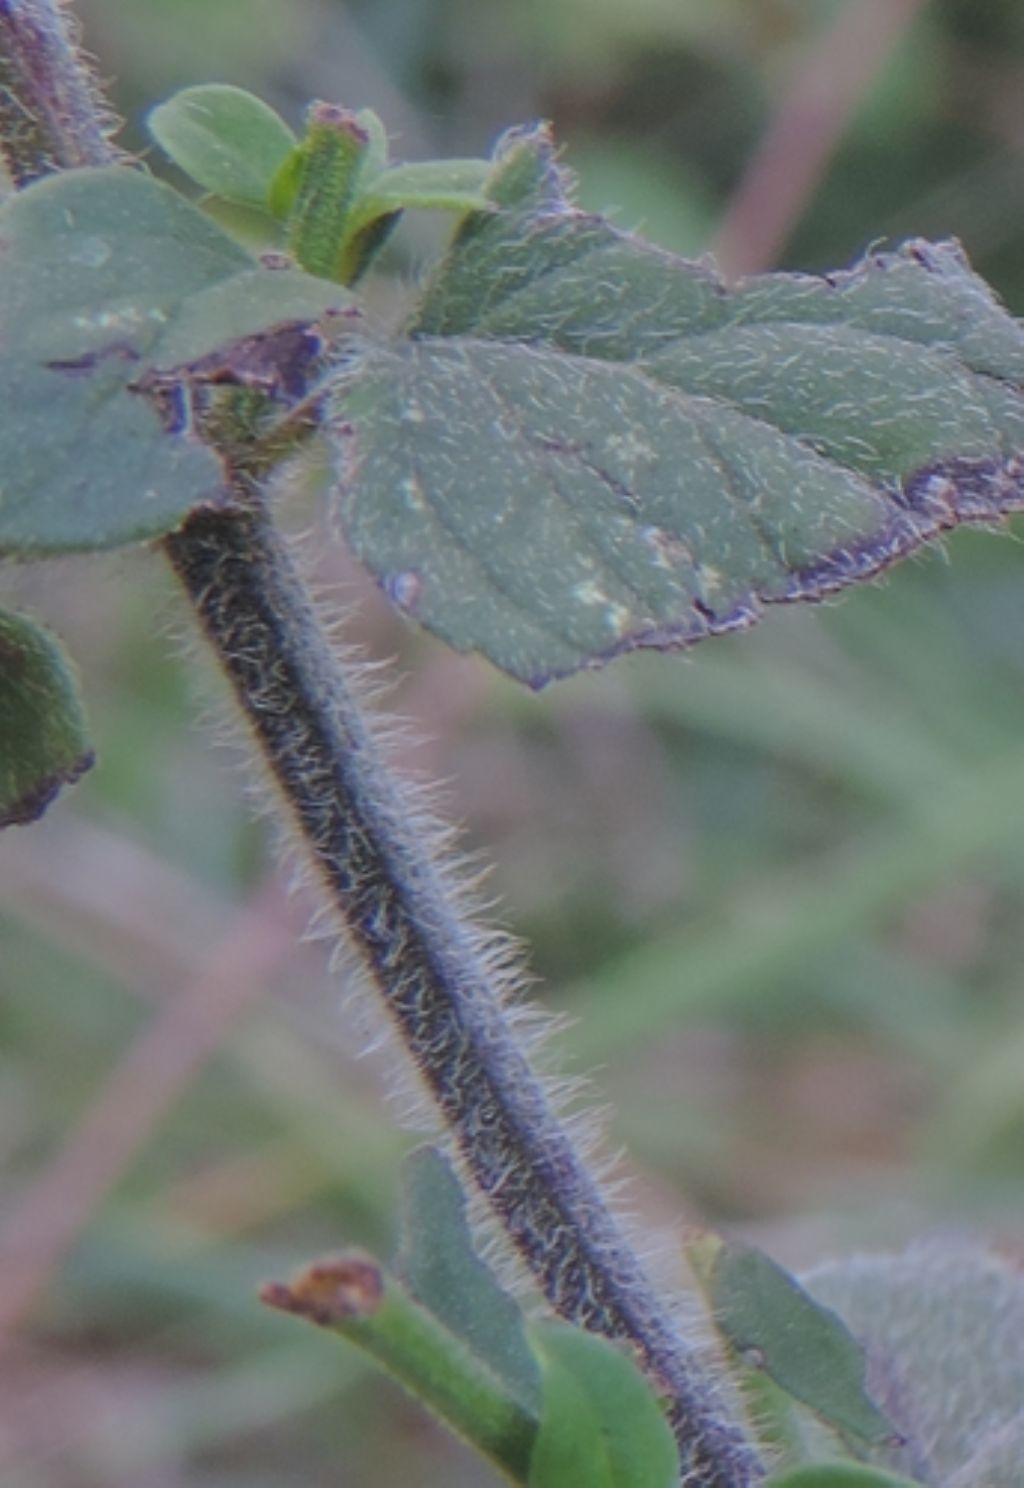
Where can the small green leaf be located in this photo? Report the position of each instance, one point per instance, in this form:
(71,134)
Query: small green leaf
(438,185)
(601,1425)
(110,276)
(456,185)
(584,445)
(438,1263)
(230,142)
(769,1323)
(351,1295)
(840,1475)
(43,740)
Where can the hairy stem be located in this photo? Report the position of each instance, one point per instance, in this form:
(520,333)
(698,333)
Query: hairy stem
(430,967)
(51,115)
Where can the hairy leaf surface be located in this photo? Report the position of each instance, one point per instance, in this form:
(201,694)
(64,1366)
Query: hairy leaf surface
(943,1330)
(108,275)
(43,740)
(583,445)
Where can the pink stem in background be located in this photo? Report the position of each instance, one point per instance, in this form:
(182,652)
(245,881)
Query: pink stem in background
(816,110)
(151,1077)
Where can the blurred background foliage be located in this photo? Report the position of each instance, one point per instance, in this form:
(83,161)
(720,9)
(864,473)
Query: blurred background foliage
(778,884)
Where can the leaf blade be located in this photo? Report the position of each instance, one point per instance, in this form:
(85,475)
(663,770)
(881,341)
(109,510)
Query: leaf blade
(601,1425)
(100,267)
(439,1264)
(576,419)
(770,1324)
(229,141)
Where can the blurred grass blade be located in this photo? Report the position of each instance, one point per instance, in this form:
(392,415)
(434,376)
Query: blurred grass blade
(778,927)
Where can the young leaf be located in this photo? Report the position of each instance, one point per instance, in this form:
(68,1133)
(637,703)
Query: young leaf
(840,1475)
(230,142)
(942,1327)
(43,739)
(584,445)
(351,1295)
(446,185)
(439,185)
(768,1322)
(322,181)
(108,277)
(601,1425)
(439,1265)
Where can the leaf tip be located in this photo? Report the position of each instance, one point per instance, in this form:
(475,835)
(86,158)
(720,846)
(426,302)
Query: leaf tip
(31,804)
(344,1286)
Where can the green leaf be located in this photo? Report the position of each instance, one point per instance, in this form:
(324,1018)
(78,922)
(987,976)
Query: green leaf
(584,445)
(456,185)
(601,1425)
(438,1263)
(839,1475)
(351,1295)
(230,142)
(110,276)
(771,1324)
(382,196)
(942,1327)
(43,740)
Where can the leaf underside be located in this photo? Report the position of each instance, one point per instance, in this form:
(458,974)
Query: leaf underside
(583,445)
(942,1326)
(108,276)
(43,740)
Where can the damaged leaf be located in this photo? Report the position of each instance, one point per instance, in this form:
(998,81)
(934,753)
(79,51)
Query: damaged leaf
(583,445)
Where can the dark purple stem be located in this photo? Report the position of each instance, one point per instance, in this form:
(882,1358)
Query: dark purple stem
(51,114)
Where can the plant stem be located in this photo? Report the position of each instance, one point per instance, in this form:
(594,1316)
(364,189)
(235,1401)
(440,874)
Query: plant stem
(51,114)
(430,967)
(435,973)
